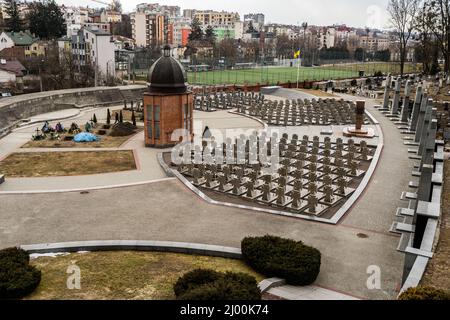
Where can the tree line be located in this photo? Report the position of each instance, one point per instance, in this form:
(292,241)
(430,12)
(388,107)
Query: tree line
(428,22)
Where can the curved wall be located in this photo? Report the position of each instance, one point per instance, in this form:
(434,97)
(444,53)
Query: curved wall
(13,110)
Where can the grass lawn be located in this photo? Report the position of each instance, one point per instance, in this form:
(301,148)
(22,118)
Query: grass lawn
(437,273)
(124,275)
(53,164)
(285,74)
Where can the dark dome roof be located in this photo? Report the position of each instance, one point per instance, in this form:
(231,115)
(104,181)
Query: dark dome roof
(167,75)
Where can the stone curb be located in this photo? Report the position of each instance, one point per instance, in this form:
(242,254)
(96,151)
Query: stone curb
(151,246)
(265,125)
(86,189)
(135,245)
(164,166)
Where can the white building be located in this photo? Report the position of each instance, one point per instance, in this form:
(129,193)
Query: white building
(238,30)
(326,38)
(95,47)
(149,26)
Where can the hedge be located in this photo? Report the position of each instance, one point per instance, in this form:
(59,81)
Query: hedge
(424,293)
(291,260)
(204,284)
(17,278)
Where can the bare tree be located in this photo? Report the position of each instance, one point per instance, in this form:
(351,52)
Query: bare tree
(404,20)
(436,21)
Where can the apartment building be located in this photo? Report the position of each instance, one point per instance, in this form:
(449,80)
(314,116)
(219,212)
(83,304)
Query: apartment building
(95,47)
(180,29)
(149,28)
(215,18)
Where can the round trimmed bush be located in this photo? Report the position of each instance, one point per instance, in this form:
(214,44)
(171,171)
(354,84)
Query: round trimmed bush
(17,278)
(14,255)
(291,260)
(424,293)
(194,279)
(203,284)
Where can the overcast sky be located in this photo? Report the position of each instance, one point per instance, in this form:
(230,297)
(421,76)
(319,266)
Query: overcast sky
(357,13)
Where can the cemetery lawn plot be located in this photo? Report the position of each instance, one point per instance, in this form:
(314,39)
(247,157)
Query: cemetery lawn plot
(53,164)
(105,142)
(124,275)
(437,274)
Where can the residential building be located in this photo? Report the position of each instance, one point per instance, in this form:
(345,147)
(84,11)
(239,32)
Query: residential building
(257,20)
(22,41)
(110,16)
(215,18)
(169,11)
(372,43)
(75,15)
(224,32)
(22,7)
(74,28)
(148,28)
(181,29)
(95,47)
(326,38)
(238,30)
(189,13)
(11,72)
(122,43)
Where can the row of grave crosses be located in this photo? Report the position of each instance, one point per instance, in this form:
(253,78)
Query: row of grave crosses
(299,112)
(131,105)
(249,148)
(226,100)
(249,181)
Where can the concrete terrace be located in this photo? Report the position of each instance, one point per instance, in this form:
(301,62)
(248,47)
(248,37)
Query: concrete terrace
(167,210)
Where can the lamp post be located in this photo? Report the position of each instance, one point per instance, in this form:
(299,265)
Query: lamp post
(107,69)
(305,26)
(130,60)
(40,75)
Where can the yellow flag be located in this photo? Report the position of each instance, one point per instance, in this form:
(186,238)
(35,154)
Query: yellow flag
(297,54)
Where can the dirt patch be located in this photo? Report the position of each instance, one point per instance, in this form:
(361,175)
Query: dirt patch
(437,273)
(123,275)
(125,129)
(52,164)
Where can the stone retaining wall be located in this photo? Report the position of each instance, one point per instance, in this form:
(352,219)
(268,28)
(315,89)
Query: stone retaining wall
(13,110)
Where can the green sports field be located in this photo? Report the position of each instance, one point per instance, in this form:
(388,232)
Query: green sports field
(273,75)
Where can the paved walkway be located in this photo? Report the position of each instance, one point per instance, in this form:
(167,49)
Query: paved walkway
(169,211)
(309,293)
(148,166)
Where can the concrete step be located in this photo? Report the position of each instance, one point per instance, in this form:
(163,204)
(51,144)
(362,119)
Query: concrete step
(404,212)
(405,242)
(405,227)
(414,184)
(408,196)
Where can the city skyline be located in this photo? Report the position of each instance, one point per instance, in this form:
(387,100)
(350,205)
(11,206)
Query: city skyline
(369,13)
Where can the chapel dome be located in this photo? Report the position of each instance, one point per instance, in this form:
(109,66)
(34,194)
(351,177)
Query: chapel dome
(167,75)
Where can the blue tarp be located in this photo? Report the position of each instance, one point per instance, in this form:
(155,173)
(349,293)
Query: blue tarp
(85,137)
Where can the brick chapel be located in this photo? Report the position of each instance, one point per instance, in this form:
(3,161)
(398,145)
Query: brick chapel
(168,104)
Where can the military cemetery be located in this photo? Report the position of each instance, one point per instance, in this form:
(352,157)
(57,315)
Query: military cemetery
(164,186)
